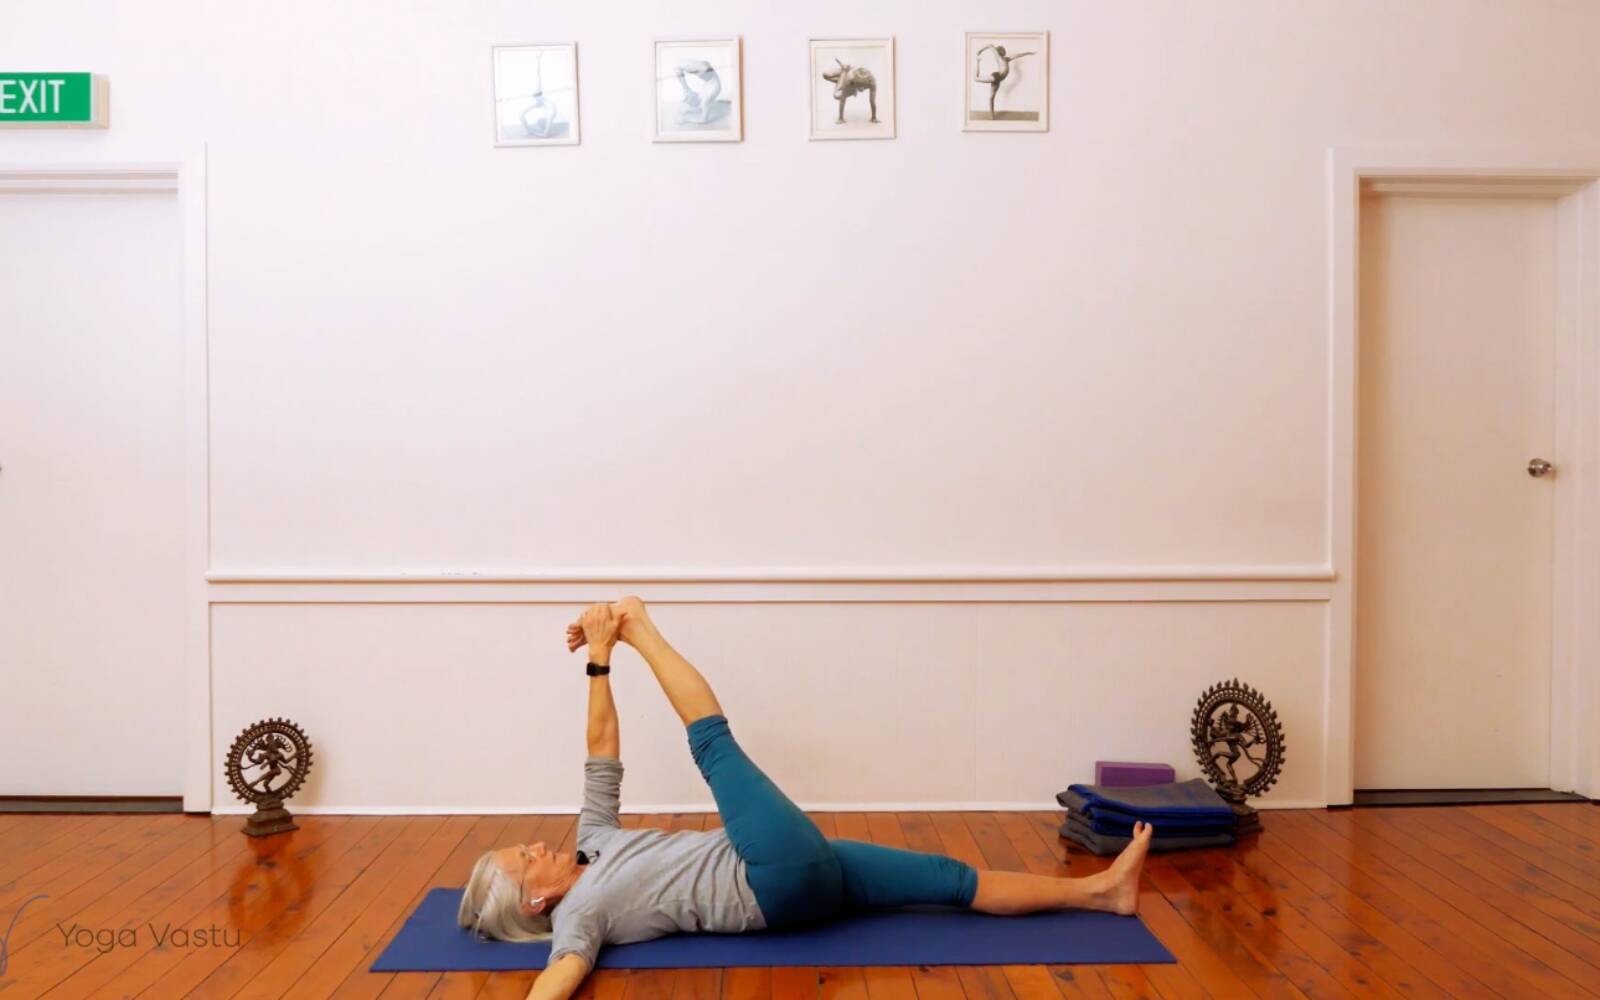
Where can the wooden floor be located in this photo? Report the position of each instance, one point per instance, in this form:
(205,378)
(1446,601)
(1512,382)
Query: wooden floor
(1466,901)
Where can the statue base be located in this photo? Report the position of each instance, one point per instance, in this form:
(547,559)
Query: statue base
(1245,819)
(269,818)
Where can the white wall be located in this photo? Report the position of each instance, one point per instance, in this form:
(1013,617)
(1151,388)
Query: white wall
(1100,351)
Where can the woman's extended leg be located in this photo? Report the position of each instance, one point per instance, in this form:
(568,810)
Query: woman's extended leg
(878,877)
(691,697)
(881,878)
(1115,890)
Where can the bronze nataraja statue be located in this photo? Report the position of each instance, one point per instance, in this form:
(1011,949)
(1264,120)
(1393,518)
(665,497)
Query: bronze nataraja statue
(279,751)
(1234,726)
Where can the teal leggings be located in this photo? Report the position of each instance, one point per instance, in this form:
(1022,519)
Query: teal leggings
(798,875)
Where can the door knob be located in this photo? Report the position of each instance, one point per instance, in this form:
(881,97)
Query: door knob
(1538,468)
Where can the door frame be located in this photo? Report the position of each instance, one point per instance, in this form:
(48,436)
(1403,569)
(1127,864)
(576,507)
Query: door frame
(184,177)
(1573,179)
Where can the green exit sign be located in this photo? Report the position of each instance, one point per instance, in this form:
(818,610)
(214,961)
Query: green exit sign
(52,100)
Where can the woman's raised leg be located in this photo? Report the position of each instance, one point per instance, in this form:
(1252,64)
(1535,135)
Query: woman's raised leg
(691,697)
(762,822)
(790,866)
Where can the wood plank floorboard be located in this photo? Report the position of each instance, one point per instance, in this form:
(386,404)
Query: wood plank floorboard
(1521,959)
(1429,902)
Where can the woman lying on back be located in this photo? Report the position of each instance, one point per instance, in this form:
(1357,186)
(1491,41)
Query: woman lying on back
(769,866)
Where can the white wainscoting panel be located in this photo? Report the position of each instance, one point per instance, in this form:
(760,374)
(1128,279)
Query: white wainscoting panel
(422,707)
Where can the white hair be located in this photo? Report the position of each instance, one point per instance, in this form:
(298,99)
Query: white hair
(491,906)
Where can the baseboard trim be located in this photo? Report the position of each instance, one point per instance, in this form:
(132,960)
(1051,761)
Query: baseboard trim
(1400,797)
(91,804)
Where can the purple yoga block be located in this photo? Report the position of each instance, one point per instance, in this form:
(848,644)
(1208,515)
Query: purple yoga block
(1123,774)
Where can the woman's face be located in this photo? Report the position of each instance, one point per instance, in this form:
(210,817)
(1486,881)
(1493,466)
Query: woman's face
(539,871)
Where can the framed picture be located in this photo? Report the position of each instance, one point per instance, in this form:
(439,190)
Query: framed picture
(699,90)
(1008,82)
(536,95)
(852,88)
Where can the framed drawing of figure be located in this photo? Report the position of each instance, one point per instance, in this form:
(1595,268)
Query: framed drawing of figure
(852,88)
(1008,82)
(699,90)
(536,95)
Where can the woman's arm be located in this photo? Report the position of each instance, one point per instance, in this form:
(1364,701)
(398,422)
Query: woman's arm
(691,697)
(604,733)
(560,979)
(599,626)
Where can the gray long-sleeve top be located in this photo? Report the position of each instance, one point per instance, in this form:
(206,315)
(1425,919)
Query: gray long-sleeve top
(643,884)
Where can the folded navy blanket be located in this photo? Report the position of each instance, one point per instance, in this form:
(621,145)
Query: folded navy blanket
(1104,843)
(1114,821)
(1193,799)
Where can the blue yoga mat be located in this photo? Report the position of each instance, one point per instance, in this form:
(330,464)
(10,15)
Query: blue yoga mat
(430,941)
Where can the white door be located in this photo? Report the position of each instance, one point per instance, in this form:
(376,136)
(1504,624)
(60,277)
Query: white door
(1454,548)
(91,495)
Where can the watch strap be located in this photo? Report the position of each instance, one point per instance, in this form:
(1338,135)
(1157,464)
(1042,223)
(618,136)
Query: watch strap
(597,670)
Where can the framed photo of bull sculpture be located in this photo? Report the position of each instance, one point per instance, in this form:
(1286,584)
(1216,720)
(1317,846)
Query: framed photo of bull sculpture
(852,88)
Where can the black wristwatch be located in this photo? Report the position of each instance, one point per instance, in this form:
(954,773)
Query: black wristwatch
(597,669)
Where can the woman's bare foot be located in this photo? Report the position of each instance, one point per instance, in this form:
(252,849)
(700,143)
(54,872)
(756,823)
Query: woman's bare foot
(636,624)
(1120,893)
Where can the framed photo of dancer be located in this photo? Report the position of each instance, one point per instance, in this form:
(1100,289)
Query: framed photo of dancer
(536,95)
(1008,82)
(852,88)
(699,90)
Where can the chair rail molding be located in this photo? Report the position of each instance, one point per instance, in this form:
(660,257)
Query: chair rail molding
(1272,572)
(785,584)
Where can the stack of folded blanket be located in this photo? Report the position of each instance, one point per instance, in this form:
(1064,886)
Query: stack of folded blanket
(1184,814)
